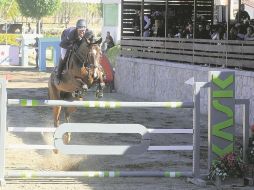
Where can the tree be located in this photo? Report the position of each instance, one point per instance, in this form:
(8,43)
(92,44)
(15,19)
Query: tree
(9,9)
(38,9)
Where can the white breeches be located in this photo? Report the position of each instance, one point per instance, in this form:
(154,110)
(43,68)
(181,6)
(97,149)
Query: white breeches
(63,53)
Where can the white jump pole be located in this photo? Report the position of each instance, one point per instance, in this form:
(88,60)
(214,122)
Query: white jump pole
(3,113)
(110,174)
(98,104)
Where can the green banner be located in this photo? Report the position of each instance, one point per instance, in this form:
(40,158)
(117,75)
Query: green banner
(221,114)
(110,14)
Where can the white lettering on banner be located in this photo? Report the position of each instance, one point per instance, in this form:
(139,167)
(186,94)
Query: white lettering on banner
(9,55)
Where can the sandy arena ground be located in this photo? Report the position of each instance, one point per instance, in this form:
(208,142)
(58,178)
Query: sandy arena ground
(28,83)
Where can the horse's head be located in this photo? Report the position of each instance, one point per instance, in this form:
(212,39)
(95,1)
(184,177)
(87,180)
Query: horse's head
(88,66)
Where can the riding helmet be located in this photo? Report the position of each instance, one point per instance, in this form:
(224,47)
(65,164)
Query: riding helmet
(81,23)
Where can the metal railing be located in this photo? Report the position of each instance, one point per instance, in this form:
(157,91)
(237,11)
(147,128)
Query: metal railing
(220,53)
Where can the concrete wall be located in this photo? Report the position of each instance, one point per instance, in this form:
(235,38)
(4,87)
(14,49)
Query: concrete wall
(164,81)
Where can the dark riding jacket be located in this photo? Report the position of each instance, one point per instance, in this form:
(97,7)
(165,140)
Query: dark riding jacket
(69,37)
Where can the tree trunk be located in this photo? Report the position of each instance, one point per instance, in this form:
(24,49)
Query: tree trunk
(38,26)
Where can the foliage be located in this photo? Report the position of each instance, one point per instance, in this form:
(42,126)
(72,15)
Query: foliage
(3,2)
(10,39)
(230,165)
(250,150)
(88,11)
(112,54)
(38,8)
(9,9)
(53,33)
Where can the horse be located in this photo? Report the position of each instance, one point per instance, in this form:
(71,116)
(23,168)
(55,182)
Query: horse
(82,71)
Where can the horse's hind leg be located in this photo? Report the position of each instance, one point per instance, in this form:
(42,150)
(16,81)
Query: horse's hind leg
(67,112)
(56,114)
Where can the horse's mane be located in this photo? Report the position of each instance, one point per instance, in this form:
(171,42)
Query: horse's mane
(86,46)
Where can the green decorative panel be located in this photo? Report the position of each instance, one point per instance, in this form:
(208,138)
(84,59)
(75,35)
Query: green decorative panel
(110,14)
(222,113)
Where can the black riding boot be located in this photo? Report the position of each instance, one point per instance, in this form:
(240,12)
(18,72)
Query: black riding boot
(60,69)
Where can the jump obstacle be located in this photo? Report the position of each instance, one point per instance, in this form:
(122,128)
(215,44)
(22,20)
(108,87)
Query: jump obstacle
(222,103)
(44,43)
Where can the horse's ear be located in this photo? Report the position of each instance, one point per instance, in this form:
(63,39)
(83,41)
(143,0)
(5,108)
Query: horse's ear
(99,41)
(86,40)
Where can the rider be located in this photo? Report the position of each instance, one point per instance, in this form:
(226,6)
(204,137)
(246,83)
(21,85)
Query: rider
(69,38)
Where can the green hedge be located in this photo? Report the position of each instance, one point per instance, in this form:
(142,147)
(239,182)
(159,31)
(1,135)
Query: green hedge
(10,39)
(112,54)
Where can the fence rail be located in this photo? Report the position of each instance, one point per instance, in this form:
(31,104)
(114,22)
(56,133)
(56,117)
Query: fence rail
(226,53)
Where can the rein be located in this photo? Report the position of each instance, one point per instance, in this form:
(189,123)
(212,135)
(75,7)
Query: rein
(83,61)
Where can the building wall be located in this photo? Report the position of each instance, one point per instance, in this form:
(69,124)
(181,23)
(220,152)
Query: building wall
(165,81)
(115,30)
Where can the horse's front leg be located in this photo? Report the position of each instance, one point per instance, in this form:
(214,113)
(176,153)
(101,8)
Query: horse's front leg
(101,84)
(101,78)
(56,114)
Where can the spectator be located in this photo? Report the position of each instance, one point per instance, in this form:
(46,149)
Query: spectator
(180,32)
(109,41)
(249,35)
(242,15)
(188,32)
(36,46)
(240,30)
(147,30)
(201,32)
(147,26)
(219,34)
(29,30)
(208,31)
(136,23)
(171,32)
(160,29)
(233,34)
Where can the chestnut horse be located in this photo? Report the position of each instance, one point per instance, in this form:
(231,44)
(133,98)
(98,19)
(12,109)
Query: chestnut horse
(82,71)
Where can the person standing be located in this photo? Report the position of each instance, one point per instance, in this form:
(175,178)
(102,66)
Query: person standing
(147,26)
(109,41)
(136,23)
(242,16)
(36,46)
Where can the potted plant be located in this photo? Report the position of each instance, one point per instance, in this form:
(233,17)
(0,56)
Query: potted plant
(250,156)
(229,167)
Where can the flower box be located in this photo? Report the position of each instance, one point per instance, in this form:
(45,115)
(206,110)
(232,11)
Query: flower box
(228,182)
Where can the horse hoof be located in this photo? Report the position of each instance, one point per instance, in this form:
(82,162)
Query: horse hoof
(74,94)
(66,138)
(99,95)
(55,151)
(85,87)
(102,85)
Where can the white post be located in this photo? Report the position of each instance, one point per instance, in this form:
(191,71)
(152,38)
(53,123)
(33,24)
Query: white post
(196,130)
(3,110)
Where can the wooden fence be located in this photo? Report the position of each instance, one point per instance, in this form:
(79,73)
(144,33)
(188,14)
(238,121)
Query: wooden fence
(231,53)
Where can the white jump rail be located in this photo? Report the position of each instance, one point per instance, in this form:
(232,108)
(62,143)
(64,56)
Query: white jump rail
(103,104)
(195,147)
(98,128)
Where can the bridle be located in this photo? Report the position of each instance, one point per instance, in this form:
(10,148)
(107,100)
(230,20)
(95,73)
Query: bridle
(85,62)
